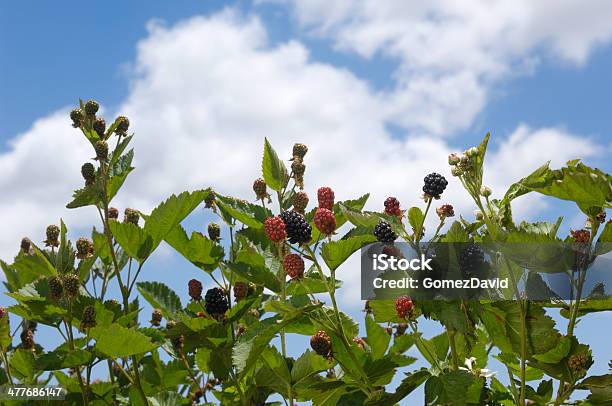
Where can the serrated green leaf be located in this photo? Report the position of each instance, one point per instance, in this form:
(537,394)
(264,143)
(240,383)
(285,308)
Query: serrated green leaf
(123,342)
(408,385)
(415,217)
(22,364)
(378,339)
(199,250)
(450,388)
(161,297)
(273,169)
(249,214)
(135,241)
(334,253)
(306,365)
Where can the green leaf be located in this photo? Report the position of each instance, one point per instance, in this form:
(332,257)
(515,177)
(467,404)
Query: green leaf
(161,297)
(135,241)
(415,217)
(5,333)
(275,375)
(165,217)
(360,219)
(408,385)
(449,388)
(378,339)
(123,341)
(61,358)
(118,172)
(273,169)
(307,365)
(22,364)
(249,214)
(199,250)
(557,353)
(311,283)
(89,195)
(600,387)
(384,311)
(251,266)
(34,263)
(334,253)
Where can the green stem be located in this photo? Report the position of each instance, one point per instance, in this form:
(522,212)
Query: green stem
(453,348)
(68,325)
(523,310)
(283,278)
(419,230)
(8,367)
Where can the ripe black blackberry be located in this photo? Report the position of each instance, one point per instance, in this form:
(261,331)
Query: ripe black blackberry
(434,185)
(471,260)
(52,233)
(216,302)
(384,233)
(99,126)
(56,288)
(297,228)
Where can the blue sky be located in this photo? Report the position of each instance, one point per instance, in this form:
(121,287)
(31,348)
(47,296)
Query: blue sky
(558,90)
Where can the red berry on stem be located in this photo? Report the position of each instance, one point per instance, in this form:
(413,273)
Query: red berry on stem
(326,198)
(293,265)
(325,221)
(275,229)
(403,306)
(392,207)
(195,289)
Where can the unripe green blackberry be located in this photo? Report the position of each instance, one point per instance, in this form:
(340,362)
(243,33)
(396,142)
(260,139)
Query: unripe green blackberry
(300,201)
(156,317)
(214,231)
(26,245)
(89,318)
(56,287)
(76,116)
(578,364)
(113,213)
(99,126)
(52,233)
(216,302)
(84,248)
(261,190)
(88,171)
(299,151)
(27,340)
(101,149)
(209,200)
(91,107)
(71,285)
(321,343)
(131,216)
(122,125)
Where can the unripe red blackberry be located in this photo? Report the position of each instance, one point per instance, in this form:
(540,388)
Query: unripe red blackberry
(216,302)
(321,343)
(392,207)
(91,107)
(293,265)
(77,116)
(113,213)
(444,211)
(581,236)
(122,125)
(99,126)
(275,229)
(299,150)
(195,289)
(101,149)
(52,234)
(71,285)
(84,248)
(156,317)
(434,185)
(89,318)
(131,216)
(384,233)
(325,221)
(214,231)
(261,190)
(300,201)
(241,290)
(403,307)
(298,230)
(27,340)
(26,245)
(88,171)
(56,287)
(325,195)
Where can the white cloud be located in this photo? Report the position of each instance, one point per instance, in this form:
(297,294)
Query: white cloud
(450,52)
(206,92)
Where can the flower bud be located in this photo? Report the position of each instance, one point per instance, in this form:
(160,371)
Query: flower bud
(453,159)
(486,191)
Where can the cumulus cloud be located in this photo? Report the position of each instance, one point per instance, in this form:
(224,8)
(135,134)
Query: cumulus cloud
(204,94)
(450,52)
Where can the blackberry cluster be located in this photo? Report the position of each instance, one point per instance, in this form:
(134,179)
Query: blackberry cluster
(403,307)
(216,302)
(578,363)
(434,185)
(299,151)
(297,228)
(275,229)
(384,233)
(76,116)
(471,260)
(321,343)
(84,248)
(122,125)
(52,233)
(444,211)
(326,197)
(89,173)
(261,189)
